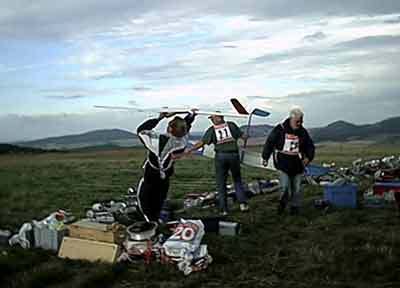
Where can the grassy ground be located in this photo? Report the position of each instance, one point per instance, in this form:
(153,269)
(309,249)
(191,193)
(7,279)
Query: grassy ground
(338,248)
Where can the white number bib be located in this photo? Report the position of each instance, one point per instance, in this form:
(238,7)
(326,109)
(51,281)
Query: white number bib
(292,144)
(223,133)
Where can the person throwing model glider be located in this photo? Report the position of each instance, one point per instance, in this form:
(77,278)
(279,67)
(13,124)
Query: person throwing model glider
(163,151)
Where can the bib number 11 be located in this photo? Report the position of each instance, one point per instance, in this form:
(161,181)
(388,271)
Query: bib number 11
(223,134)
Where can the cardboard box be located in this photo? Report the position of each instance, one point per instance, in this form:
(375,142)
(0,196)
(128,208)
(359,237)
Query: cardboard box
(86,229)
(80,249)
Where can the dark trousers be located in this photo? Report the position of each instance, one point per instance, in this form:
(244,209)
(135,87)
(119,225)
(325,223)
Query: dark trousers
(152,192)
(225,162)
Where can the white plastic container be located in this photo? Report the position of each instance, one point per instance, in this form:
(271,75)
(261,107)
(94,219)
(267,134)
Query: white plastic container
(49,239)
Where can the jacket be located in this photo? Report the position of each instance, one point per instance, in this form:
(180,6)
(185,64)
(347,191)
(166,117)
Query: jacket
(289,148)
(162,147)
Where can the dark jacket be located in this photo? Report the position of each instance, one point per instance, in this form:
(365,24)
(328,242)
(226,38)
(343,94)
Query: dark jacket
(161,147)
(289,148)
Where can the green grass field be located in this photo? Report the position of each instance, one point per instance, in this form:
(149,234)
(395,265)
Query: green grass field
(338,248)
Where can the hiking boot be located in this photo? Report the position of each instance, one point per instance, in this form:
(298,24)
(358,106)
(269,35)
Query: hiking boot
(244,207)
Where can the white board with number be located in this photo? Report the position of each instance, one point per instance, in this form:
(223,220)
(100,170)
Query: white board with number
(223,133)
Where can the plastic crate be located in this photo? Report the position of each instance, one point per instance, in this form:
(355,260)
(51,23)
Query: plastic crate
(342,196)
(49,239)
(381,188)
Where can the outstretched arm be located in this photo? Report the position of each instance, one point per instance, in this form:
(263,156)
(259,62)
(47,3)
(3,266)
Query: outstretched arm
(206,140)
(195,147)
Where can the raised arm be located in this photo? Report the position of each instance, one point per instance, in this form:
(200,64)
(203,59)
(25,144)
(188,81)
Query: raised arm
(151,123)
(190,117)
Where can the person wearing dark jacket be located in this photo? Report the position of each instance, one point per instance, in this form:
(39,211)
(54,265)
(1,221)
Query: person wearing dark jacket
(163,150)
(292,149)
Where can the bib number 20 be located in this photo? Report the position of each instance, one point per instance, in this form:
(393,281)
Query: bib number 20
(184,233)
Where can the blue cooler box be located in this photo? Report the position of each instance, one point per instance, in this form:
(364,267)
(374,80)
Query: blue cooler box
(342,196)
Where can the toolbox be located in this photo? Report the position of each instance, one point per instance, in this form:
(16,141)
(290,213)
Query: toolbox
(89,230)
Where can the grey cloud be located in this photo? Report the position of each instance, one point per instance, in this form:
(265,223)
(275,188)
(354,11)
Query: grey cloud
(302,60)
(300,95)
(288,8)
(392,21)
(157,73)
(338,50)
(258,97)
(371,42)
(280,56)
(52,19)
(66,97)
(315,37)
(262,37)
(316,93)
(75,93)
(141,88)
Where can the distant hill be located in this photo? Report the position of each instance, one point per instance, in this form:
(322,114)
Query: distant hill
(386,131)
(111,137)
(342,131)
(337,131)
(14,149)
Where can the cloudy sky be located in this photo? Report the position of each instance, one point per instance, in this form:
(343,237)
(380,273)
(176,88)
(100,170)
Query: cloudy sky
(337,59)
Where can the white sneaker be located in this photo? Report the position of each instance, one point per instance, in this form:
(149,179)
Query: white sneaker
(244,207)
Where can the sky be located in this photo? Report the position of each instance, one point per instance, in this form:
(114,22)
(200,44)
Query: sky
(338,60)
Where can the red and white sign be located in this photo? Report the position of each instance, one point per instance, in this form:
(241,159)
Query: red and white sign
(292,145)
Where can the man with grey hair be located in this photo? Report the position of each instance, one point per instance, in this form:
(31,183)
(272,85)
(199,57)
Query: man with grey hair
(292,149)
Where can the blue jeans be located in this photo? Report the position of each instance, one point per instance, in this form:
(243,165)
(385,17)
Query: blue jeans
(291,188)
(225,162)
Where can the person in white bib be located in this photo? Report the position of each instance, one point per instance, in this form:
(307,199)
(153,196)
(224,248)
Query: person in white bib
(292,149)
(224,136)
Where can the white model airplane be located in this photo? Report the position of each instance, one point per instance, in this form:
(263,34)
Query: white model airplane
(249,158)
(174,110)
